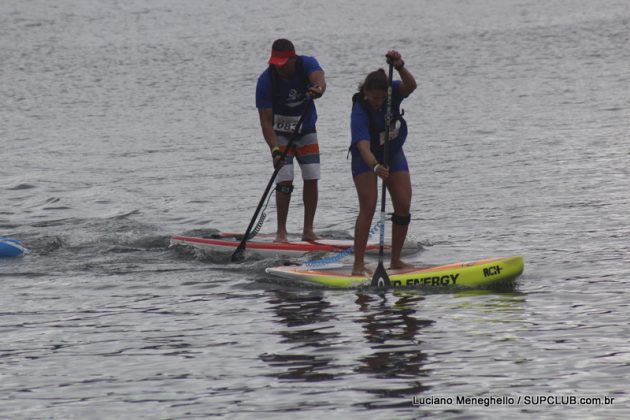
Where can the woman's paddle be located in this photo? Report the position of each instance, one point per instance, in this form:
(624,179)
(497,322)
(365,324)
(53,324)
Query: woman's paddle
(239,253)
(380,278)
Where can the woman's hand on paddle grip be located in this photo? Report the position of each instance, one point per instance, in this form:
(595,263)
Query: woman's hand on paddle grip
(381,171)
(395,58)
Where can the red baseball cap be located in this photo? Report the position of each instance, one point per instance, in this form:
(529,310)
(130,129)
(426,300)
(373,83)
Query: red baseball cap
(281,51)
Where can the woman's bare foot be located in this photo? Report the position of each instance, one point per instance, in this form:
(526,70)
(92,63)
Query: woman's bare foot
(399,264)
(361,270)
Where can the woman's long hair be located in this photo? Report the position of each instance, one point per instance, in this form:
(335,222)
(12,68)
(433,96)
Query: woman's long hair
(377,80)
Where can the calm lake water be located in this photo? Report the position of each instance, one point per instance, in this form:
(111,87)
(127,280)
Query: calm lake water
(126,122)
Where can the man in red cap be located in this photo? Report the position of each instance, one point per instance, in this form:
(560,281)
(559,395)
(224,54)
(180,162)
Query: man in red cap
(283,92)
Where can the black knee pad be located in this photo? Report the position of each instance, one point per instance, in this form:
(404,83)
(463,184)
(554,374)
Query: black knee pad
(285,189)
(401,220)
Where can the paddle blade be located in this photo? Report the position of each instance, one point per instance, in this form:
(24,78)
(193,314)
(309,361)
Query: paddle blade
(239,254)
(380,279)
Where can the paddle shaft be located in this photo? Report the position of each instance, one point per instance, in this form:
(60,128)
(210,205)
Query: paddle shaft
(380,278)
(238,253)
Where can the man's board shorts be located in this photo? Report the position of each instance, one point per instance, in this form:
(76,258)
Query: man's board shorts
(306,150)
(397,163)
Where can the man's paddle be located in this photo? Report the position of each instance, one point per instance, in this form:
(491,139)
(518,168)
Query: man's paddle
(380,278)
(239,253)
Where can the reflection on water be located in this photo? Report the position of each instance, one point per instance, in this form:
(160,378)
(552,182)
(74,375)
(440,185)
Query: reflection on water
(392,332)
(313,328)
(308,326)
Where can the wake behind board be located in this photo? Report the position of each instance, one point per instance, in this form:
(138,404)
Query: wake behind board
(264,246)
(481,274)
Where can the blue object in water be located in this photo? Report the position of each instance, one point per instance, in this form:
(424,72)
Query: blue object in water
(10,247)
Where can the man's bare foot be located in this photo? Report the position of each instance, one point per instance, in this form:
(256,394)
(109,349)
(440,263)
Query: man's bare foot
(281,238)
(310,236)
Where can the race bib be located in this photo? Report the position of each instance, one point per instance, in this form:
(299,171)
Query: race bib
(394,131)
(285,123)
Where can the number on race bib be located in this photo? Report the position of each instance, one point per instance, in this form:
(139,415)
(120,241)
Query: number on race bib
(285,123)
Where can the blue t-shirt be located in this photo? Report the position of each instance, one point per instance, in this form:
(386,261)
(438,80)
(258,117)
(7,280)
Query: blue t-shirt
(290,97)
(360,126)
